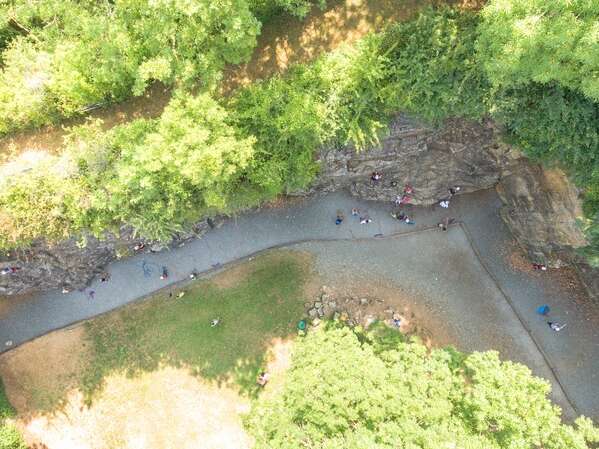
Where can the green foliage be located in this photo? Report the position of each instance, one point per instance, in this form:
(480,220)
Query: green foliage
(42,203)
(6,410)
(81,53)
(158,178)
(433,68)
(266,9)
(523,41)
(10,438)
(356,91)
(288,123)
(542,59)
(375,391)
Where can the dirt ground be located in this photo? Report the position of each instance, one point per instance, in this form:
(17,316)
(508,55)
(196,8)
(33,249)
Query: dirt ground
(366,299)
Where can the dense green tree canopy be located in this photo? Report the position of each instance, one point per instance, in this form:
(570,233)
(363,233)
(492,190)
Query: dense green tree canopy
(557,41)
(354,391)
(77,53)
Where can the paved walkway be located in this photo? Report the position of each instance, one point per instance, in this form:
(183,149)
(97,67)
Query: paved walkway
(571,356)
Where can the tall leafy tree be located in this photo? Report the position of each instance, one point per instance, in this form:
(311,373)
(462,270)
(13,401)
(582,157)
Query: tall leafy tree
(541,41)
(348,390)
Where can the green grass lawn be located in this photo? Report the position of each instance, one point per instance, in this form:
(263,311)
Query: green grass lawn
(256,302)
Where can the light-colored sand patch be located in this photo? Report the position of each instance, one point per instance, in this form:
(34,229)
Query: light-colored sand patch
(37,374)
(165,409)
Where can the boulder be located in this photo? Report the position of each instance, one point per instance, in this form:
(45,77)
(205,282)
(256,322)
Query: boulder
(460,153)
(541,209)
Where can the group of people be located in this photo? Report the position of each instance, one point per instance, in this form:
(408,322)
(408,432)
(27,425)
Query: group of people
(403,199)
(553,325)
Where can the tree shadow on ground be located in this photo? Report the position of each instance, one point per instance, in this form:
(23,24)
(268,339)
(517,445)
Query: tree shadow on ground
(171,331)
(285,40)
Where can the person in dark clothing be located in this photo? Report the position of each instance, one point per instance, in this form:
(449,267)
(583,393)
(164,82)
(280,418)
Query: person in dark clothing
(445,223)
(164,274)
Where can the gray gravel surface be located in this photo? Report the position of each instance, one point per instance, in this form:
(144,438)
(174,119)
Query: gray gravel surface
(572,354)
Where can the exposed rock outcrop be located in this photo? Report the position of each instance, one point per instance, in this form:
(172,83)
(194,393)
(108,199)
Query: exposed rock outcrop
(541,209)
(461,153)
(71,265)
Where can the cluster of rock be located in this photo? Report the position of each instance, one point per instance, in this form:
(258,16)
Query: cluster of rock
(71,264)
(351,310)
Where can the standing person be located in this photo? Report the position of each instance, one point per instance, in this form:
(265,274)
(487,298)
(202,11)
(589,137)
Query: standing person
(105,276)
(164,274)
(376,177)
(91,294)
(556,326)
(445,223)
(339,218)
(543,310)
(454,190)
(355,212)
(263,379)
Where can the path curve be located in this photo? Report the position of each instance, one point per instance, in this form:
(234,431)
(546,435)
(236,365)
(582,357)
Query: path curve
(572,355)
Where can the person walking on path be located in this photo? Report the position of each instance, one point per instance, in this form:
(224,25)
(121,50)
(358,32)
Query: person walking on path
(164,274)
(355,212)
(543,310)
(556,326)
(447,221)
(339,218)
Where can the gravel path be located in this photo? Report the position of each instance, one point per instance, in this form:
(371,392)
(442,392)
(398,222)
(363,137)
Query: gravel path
(493,305)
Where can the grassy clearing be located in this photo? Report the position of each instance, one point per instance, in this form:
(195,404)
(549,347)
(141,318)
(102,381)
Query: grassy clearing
(263,301)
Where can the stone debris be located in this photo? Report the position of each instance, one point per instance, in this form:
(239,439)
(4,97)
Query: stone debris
(351,310)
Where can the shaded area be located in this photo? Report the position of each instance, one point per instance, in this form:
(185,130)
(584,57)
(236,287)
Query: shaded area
(285,41)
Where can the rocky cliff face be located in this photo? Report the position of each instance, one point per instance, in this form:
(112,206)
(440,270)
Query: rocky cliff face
(71,265)
(541,206)
(461,153)
(541,209)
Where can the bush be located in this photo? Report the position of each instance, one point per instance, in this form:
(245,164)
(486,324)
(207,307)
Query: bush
(10,438)
(546,42)
(348,390)
(433,69)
